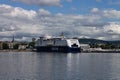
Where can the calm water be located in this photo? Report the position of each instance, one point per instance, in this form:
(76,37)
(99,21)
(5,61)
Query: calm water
(59,66)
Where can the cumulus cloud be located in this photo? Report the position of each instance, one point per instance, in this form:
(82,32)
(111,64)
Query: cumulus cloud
(113,28)
(111,13)
(41,2)
(9,11)
(95,10)
(19,12)
(43,12)
(108,13)
(25,24)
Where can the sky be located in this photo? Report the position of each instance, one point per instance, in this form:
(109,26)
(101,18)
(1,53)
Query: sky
(25,19)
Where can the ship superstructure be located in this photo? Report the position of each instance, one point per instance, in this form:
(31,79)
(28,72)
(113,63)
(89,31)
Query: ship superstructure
(57,44)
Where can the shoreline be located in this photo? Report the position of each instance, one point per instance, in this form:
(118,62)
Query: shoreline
(16,51)
(100,52)
(108,51)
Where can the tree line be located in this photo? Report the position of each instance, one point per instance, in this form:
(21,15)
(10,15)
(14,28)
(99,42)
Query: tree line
(16,45)
(105,46)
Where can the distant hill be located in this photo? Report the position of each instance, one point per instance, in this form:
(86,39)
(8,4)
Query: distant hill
(93,41)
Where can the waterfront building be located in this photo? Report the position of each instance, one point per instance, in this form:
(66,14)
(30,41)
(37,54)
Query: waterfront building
(22,46)
(85,47)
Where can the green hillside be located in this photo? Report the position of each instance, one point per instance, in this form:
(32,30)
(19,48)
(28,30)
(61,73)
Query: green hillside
(96,41)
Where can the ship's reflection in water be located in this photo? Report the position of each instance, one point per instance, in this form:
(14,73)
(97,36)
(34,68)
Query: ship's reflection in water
(59,66)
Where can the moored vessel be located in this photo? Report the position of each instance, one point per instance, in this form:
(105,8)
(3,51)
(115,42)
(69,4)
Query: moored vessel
(57,44)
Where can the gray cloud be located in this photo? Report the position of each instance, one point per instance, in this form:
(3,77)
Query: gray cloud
(12,27)
(25,24)
(41,2)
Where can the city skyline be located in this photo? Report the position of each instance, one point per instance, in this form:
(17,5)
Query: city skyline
(26,19)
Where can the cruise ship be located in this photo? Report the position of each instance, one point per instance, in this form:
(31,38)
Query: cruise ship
(57,44)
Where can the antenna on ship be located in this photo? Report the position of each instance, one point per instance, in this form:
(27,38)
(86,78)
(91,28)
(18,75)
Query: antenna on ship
(62,35)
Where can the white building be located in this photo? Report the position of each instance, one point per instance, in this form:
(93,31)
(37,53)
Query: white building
(85,47)
(22,47)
